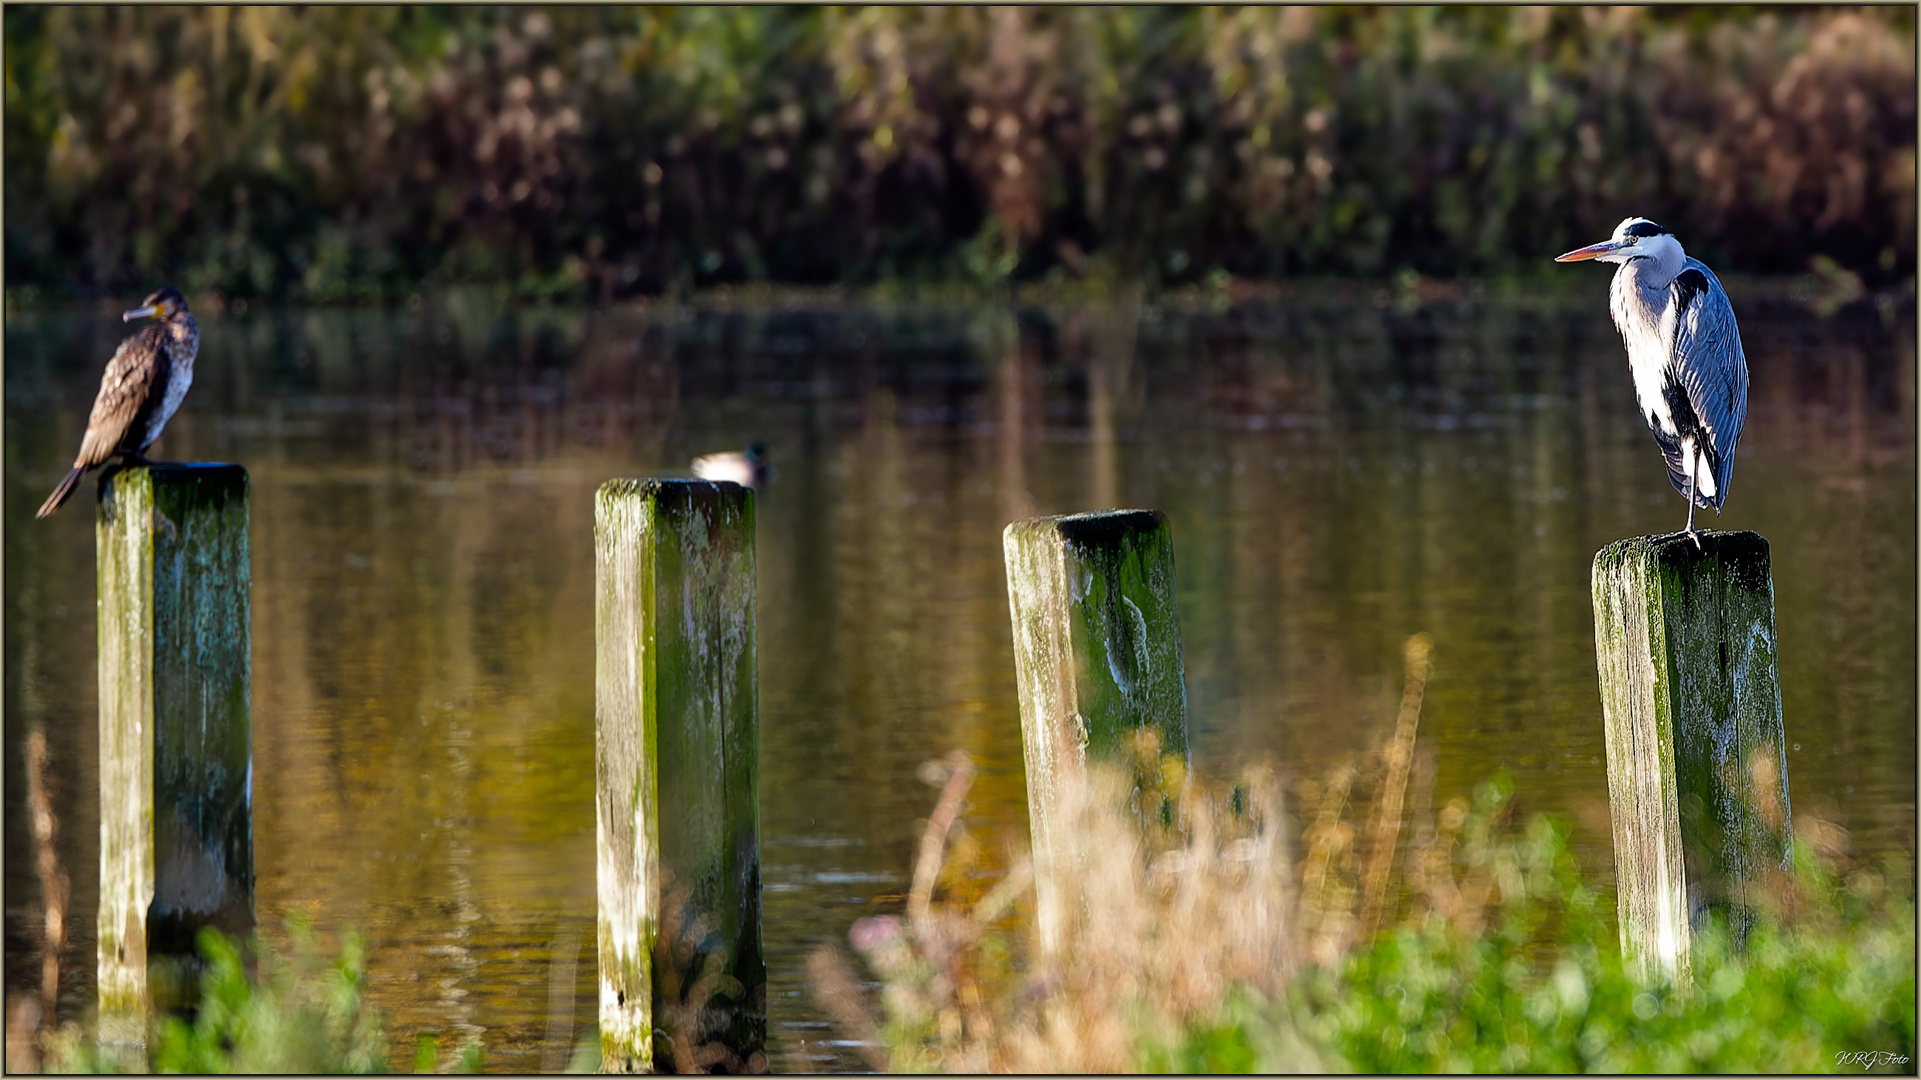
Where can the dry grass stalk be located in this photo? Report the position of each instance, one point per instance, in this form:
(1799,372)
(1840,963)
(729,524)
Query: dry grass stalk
(29,1017)
(1347,880)
(560,1001)
(1171,921)
(1173,917)
(1187,892)
(53,880)
(933,842)
(24,1022)
(832,981)
(1398,756)
(1327,900)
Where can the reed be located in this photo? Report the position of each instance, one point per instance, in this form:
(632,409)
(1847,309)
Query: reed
(1171,920)
(1176,924)
(363,153)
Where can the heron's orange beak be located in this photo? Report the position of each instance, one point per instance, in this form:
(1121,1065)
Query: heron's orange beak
(1588,252)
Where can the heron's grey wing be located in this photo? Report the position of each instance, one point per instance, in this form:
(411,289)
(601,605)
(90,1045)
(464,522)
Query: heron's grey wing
(1713,369)
(128,391)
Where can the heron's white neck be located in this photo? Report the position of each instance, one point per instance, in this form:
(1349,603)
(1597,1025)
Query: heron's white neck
(1638,300)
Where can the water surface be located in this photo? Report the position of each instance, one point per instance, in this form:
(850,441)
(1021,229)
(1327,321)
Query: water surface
(1339,474)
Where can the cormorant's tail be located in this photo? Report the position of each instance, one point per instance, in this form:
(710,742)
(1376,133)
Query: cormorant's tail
(62,493)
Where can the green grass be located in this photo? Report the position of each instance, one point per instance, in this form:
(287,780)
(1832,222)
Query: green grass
(1542,987)
(303,1014)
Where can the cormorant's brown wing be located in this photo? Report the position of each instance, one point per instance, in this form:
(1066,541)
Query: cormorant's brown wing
(129,391)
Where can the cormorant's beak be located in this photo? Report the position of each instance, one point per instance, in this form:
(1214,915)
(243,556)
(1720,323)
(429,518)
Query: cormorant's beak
(141,313)
(1590,252)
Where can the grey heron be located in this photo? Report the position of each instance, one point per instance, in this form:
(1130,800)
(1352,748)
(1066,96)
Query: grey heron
(144,383)
(1685,353)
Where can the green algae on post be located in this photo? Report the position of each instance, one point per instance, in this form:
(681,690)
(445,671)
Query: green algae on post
(176,775)
(682,978)
(1697,763)
(1097,651)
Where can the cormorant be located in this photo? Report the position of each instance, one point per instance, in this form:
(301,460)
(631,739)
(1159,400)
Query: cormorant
(143,385)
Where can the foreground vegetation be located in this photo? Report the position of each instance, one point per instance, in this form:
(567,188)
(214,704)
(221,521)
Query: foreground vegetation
(342,153)
(1507,961)
(1465,940)
(1203,947)
(1538,985)
(1200,959)
(300,1014)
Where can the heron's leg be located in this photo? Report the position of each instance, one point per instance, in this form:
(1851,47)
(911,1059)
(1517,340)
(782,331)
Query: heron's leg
(1694,469)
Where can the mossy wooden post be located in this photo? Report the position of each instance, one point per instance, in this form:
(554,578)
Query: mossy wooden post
(677,759)
(1097,651)
(1697,766)
(176,763)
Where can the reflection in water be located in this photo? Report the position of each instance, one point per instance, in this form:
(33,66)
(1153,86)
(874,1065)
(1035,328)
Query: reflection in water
(1338,477)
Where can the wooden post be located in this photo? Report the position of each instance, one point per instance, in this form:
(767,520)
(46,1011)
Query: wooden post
(682,979)
(1097,651)
(1697,765)
(176,764)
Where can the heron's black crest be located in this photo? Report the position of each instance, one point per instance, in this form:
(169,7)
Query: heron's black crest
(1646,228)
(1688,284)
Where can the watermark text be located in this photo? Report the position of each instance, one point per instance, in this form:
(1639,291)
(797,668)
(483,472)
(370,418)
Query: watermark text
(1868,1059)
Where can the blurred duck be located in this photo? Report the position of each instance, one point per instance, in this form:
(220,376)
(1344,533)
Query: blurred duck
(747,468)
(143,385)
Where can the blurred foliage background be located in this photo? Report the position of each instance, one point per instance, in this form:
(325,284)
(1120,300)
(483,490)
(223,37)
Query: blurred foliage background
(364,153)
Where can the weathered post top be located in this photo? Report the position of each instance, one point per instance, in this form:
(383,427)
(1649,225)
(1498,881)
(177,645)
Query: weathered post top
(1098,588)
(1097,652)
(176,774)
(677,762)
(1691,702)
